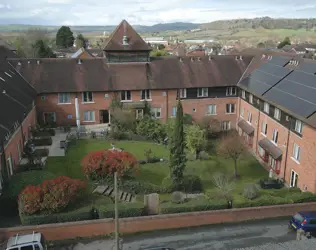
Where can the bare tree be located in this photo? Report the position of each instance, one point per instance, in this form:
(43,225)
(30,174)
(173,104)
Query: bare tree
(210,125)
(224,186)
(232,146)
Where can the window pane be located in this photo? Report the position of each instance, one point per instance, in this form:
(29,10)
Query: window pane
(123,95)
(232,108)
(128,95)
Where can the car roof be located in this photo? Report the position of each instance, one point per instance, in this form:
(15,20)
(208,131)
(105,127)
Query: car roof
(23,239)
(308,213)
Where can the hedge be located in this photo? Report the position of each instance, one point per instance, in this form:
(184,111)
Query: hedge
(45,141)
(83,213)
(28,167)
(135,187)
(198,204)
(125,210)
(44,133)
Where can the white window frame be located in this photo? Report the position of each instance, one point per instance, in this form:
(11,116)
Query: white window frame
(173,111)
(296,155)
(277,114)
(19,151)
(126,95)
(230,108)
(155,111)
(264,128)
(298,126)
(249,118)
(261,151)
(89,119)
(211,109)
(242,112)
(225,125)
(243,94)
(10,166)
(275,136)
(202,92)
(266,107)
(294,183)
(231,91)
(86,94)
(183,93)
(251,98)
(147,95)
(62,98)
(139,113)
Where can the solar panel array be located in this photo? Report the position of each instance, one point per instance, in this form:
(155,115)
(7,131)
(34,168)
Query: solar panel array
(309,68)
(279,60)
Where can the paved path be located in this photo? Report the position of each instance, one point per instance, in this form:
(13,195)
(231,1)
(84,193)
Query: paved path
(218,237)
(54,149)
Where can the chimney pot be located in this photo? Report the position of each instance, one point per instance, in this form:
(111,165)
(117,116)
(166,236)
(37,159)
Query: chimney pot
(79,61)
(38,61)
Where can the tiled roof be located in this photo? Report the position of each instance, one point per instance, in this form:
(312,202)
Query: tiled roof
(135,42)
(66,75)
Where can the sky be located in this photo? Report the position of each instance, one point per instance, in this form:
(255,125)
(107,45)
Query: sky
(146,12)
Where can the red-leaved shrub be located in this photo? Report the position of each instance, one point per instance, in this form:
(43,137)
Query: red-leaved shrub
(51,196)
(104,163)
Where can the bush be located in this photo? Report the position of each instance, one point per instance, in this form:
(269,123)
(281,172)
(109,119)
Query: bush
(118,135)
(151,129)
(83,213)
(198,204)
(44,132)
(204,155)
(28,167)
(302,197)
(125,210)
(135,187)
(44,141)
(191,156)
(251,191)
(167,184)
(192,184)
(177,197)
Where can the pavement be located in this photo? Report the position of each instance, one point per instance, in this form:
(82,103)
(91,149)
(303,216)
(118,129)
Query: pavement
(215,237)
(54,149)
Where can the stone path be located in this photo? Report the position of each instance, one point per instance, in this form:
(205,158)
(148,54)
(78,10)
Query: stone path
(54,149)
(109,191)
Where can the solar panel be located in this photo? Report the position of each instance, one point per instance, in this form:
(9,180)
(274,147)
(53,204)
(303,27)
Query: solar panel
(297,93)
(279,60)
(309,68)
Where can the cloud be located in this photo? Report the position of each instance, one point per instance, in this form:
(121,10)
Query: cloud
(146,12)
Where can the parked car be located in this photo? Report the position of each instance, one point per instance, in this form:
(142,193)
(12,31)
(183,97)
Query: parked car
(271,184)
(32,241)
(305,220)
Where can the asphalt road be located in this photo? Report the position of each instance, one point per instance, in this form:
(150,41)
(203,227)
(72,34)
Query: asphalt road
(217,237)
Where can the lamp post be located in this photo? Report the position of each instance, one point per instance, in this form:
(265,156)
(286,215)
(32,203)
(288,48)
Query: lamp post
(117,243)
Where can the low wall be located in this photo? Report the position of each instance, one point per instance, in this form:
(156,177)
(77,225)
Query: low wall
(91,228)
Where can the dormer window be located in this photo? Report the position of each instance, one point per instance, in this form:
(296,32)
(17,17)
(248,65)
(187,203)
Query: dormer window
(125,40)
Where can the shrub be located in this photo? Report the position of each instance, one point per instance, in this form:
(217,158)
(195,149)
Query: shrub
(302,197)
(44,141)
(125,210)
(83,213)
(198,204)
(135,187)
(177,197)
(192,184)
(151,129)
(116,134)
(191,156)
(46,132)
(167,184)
(28,167)
(251,191)
(204,155)
(51,196)
(100,164)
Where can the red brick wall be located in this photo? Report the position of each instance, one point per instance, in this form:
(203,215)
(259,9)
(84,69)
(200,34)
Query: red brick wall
(12,147)
(159,222)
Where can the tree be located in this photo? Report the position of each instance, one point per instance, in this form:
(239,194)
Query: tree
(195,139)
(161,47)
(177,158)
(261,45)
(224,186)
(42,50)
(64,37)
(80,41)
(210,125)
(286,41)
(159,53)
(232,146)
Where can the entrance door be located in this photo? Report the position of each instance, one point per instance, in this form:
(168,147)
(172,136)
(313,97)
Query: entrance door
(49,117)
(104,116)
(294,179)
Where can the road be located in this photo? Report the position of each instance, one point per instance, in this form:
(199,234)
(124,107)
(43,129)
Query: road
(216,237)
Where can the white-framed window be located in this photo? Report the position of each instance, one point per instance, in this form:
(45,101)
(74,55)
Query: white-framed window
(202,92)
(261,151)
(211,109)
(174,111)
(275,135)
(264,128)
(156,112)
(249,119)
(243,94)
(126,95)
(145,94)
(89,116)
(296,152)
(250,98)
(225,125)
(277,114)
(298,126)
(266,107)
(230,108)
(43,97)
(242,112)
(87,97)
(49,117)
(64,98)
(230,91)
(10,166)
(293,179)
(272,162)
(19,151)
(139,113)
(183,93)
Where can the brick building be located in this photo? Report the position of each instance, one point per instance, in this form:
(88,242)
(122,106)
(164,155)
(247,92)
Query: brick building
(270,100)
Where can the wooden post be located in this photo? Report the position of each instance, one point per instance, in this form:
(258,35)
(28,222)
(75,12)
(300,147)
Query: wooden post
(117,246)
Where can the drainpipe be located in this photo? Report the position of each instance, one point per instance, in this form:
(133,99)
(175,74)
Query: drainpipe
(258,130)
(77,112)
(287,147)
